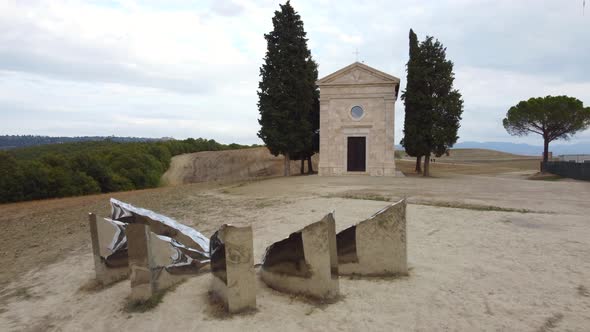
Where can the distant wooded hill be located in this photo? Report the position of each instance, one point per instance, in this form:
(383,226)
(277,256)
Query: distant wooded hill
(19,141)
(81,168)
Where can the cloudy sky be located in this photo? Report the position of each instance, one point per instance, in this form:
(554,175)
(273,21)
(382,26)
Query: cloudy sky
(190,68)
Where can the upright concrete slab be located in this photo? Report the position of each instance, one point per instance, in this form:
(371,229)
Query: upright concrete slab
(150,255)
(304,263)
(110,255)
(232,266)
(376,246)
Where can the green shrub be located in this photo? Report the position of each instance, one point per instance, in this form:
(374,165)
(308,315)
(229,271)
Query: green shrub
(71,169)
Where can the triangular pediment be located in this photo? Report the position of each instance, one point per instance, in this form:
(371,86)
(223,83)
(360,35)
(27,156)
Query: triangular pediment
(358,73)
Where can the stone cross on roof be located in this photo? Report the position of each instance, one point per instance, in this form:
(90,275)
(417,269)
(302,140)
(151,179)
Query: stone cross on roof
(356,53)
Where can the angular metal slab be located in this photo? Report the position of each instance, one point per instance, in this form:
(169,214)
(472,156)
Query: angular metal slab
(109,250)
(305,262)
(150,259)
(376,246)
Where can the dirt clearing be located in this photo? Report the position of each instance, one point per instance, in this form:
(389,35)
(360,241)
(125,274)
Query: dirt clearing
(471,269)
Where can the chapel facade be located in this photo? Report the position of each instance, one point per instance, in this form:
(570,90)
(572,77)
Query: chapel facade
(357,117)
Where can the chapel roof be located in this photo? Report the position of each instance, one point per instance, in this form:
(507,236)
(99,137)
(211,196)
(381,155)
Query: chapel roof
(356,73)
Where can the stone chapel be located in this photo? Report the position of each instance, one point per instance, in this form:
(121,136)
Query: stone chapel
(357,111)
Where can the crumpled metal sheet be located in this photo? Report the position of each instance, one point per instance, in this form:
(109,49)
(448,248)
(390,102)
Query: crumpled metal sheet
(121,210)
(117,249)
(119,241)
(186,257)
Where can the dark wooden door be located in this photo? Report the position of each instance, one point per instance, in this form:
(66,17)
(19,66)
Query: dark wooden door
(357,154)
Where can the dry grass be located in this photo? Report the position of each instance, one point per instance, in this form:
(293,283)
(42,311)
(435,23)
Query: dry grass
(444,204)
(479,168)
(142,306)
(264,203)
(551,322)
(216,308)
(314,302)
(91,286)
(379,277)
(545,177)
(21,293)
(480,154)
(473,161)
(365,196)
(476,207)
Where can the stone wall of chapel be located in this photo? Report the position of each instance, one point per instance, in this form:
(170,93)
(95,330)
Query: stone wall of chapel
(375,92)
(337,124)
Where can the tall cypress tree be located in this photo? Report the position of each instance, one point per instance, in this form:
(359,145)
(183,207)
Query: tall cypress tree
(286,89)
(315,124)
(443,103)
(314,118)
(433,106)
(414,99)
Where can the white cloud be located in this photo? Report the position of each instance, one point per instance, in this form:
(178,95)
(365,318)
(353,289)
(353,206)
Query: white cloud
(489,93)
(190,68)
(228,8)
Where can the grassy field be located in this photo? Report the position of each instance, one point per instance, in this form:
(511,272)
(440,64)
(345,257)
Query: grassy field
(481,154)
(472,161)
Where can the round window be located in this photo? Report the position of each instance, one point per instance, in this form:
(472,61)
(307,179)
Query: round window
(357,112)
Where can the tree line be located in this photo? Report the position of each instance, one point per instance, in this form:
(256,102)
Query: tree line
(18,141)
(72,169)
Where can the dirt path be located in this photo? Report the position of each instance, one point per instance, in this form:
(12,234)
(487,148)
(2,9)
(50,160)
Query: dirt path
(471,269)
